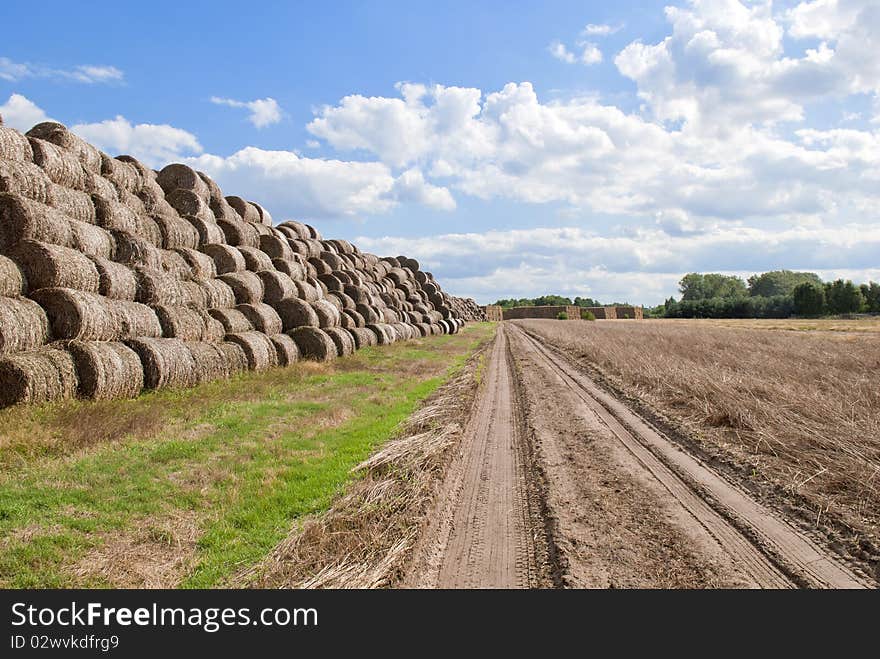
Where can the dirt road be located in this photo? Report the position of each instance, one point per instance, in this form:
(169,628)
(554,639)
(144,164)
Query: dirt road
(557,483)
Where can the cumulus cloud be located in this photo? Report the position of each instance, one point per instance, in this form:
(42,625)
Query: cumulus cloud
(589,53)
(21,113)
(12,71)
(156,145)
(263,112)
(601,29)
(560,52)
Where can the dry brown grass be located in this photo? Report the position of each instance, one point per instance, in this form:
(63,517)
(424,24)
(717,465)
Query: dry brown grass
(801,408)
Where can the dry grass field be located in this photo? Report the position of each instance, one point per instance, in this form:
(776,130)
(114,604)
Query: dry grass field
(797,402)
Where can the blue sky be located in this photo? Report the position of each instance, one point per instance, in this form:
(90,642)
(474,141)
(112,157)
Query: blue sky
(588,148)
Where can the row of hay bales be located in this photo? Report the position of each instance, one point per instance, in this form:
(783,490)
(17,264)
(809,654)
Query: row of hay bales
(115,278)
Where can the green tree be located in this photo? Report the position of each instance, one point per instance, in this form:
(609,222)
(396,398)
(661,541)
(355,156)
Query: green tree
(780,282)
(586,302)
(809,299)
(697,286)
(843,297)
(871,293)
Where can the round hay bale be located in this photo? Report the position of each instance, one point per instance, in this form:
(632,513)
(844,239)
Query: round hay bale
(214,330)
(346,321)
(239,233)
(116,280)
(23,325)
(194,295)
(292,268)
(180,177)
(153,199)
(295,312)
(114,215)
(343,340)
(247,286)
(328,315)
(106,370)
(91,240)
(306,291)
(446,326)
(276,286)
(174,264)
(265,217)
(313,232)
(332,283)
(217,361)
(369,313)
(135,251)
(61,165)
(12,280)
(201,265)
(156,287)
(313,344)
(233,320)
(297,227)
(78,315)
(424,329)
(25,179)
(263,317)
(319,287)
(132,202)
(226,258)
(135,319)
(356,317)
(214,191)
(275,247)
(183,323)
(258,349)
(190,204)
(332,260)
(403,331)
(210,233)
(59,135)
(436,329)
(357,294)
(38,376)
(320,266)
(72,203)
(124,175)
(223,211)
(285,348)
(383,335)
(176,232)
(166,362)
(46,266)
(347,303)
(255,259)
(235,357)
(25,219)
(390,316)
(335,301)
(14,146)
(245,209)
(98,185)
(363,337)
(218,294)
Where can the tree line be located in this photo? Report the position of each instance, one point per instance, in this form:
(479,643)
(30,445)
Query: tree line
(547,301)
(775,294)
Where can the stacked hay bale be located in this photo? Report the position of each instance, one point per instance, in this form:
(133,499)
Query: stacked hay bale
(115,278)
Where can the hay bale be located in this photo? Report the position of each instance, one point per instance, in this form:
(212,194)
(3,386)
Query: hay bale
(180,177)
(423,328)
(46,265)
(390,316)
(357,294)
(403,331)
(116,280)
(62,166)
(218,294)
(174,264)
(320,266)
(258,349)
(296,313)
(201,266)
(313,232)
(285,348)
(216,361)
(276,286)
(263,317)
(306,291)
(255,259)
(265,217)
(436,329)
(25,219)
(176,232)
(77,315)
(356,317)
(59,135)
(382,332)
(156,287)
(245,209)
(232,320)
(39,376)
(332,282)
(313,344)
(343,340)
(328,315)
(363,337)
(166,362)
(25,179)
(134,251)
(12,280)
(296,227)
(91,240)
(247,286)
(114,215)
(292,268)
(14,146)
(186,323)
(190,204)
(333,299)
(106,370)
(241,234)
(23,325)
(210,233)
(275,247)
(226,258)
(369,313)
(223,211)
(124,175)
(72,203)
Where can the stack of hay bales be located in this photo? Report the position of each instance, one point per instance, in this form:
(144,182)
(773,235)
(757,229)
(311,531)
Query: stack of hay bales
(115,278)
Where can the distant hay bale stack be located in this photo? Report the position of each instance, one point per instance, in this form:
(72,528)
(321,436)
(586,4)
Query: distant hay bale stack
(343,340)
(166,362)
(241,234)
(275,247)
(176,232)
(106,370)
(39,376)
(382,332)
(245,209)
(263,317)
(295,312)
(180,177)
(313,343)
(210,233)
(201,265)
(188,203)
(12,280)
(259,350)
(23,325)
(116,280)
(363,337)
(328,315)
(134,251)
(276,286)
(187,324)
(247,286)
(286,349)
(25,179)
(46,266)
(61,165)
(123,174)
(226,258)
(59,135)
(218,294)
(233,320)
(14,146)
(255,259)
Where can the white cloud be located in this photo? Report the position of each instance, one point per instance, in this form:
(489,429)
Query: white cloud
(14,71)
(590,53)
(411,186)
(156,145)
(21,113)
(601,30)
(560,52)
(263,112)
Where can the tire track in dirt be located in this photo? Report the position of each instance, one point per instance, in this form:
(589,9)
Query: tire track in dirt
(772,552)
